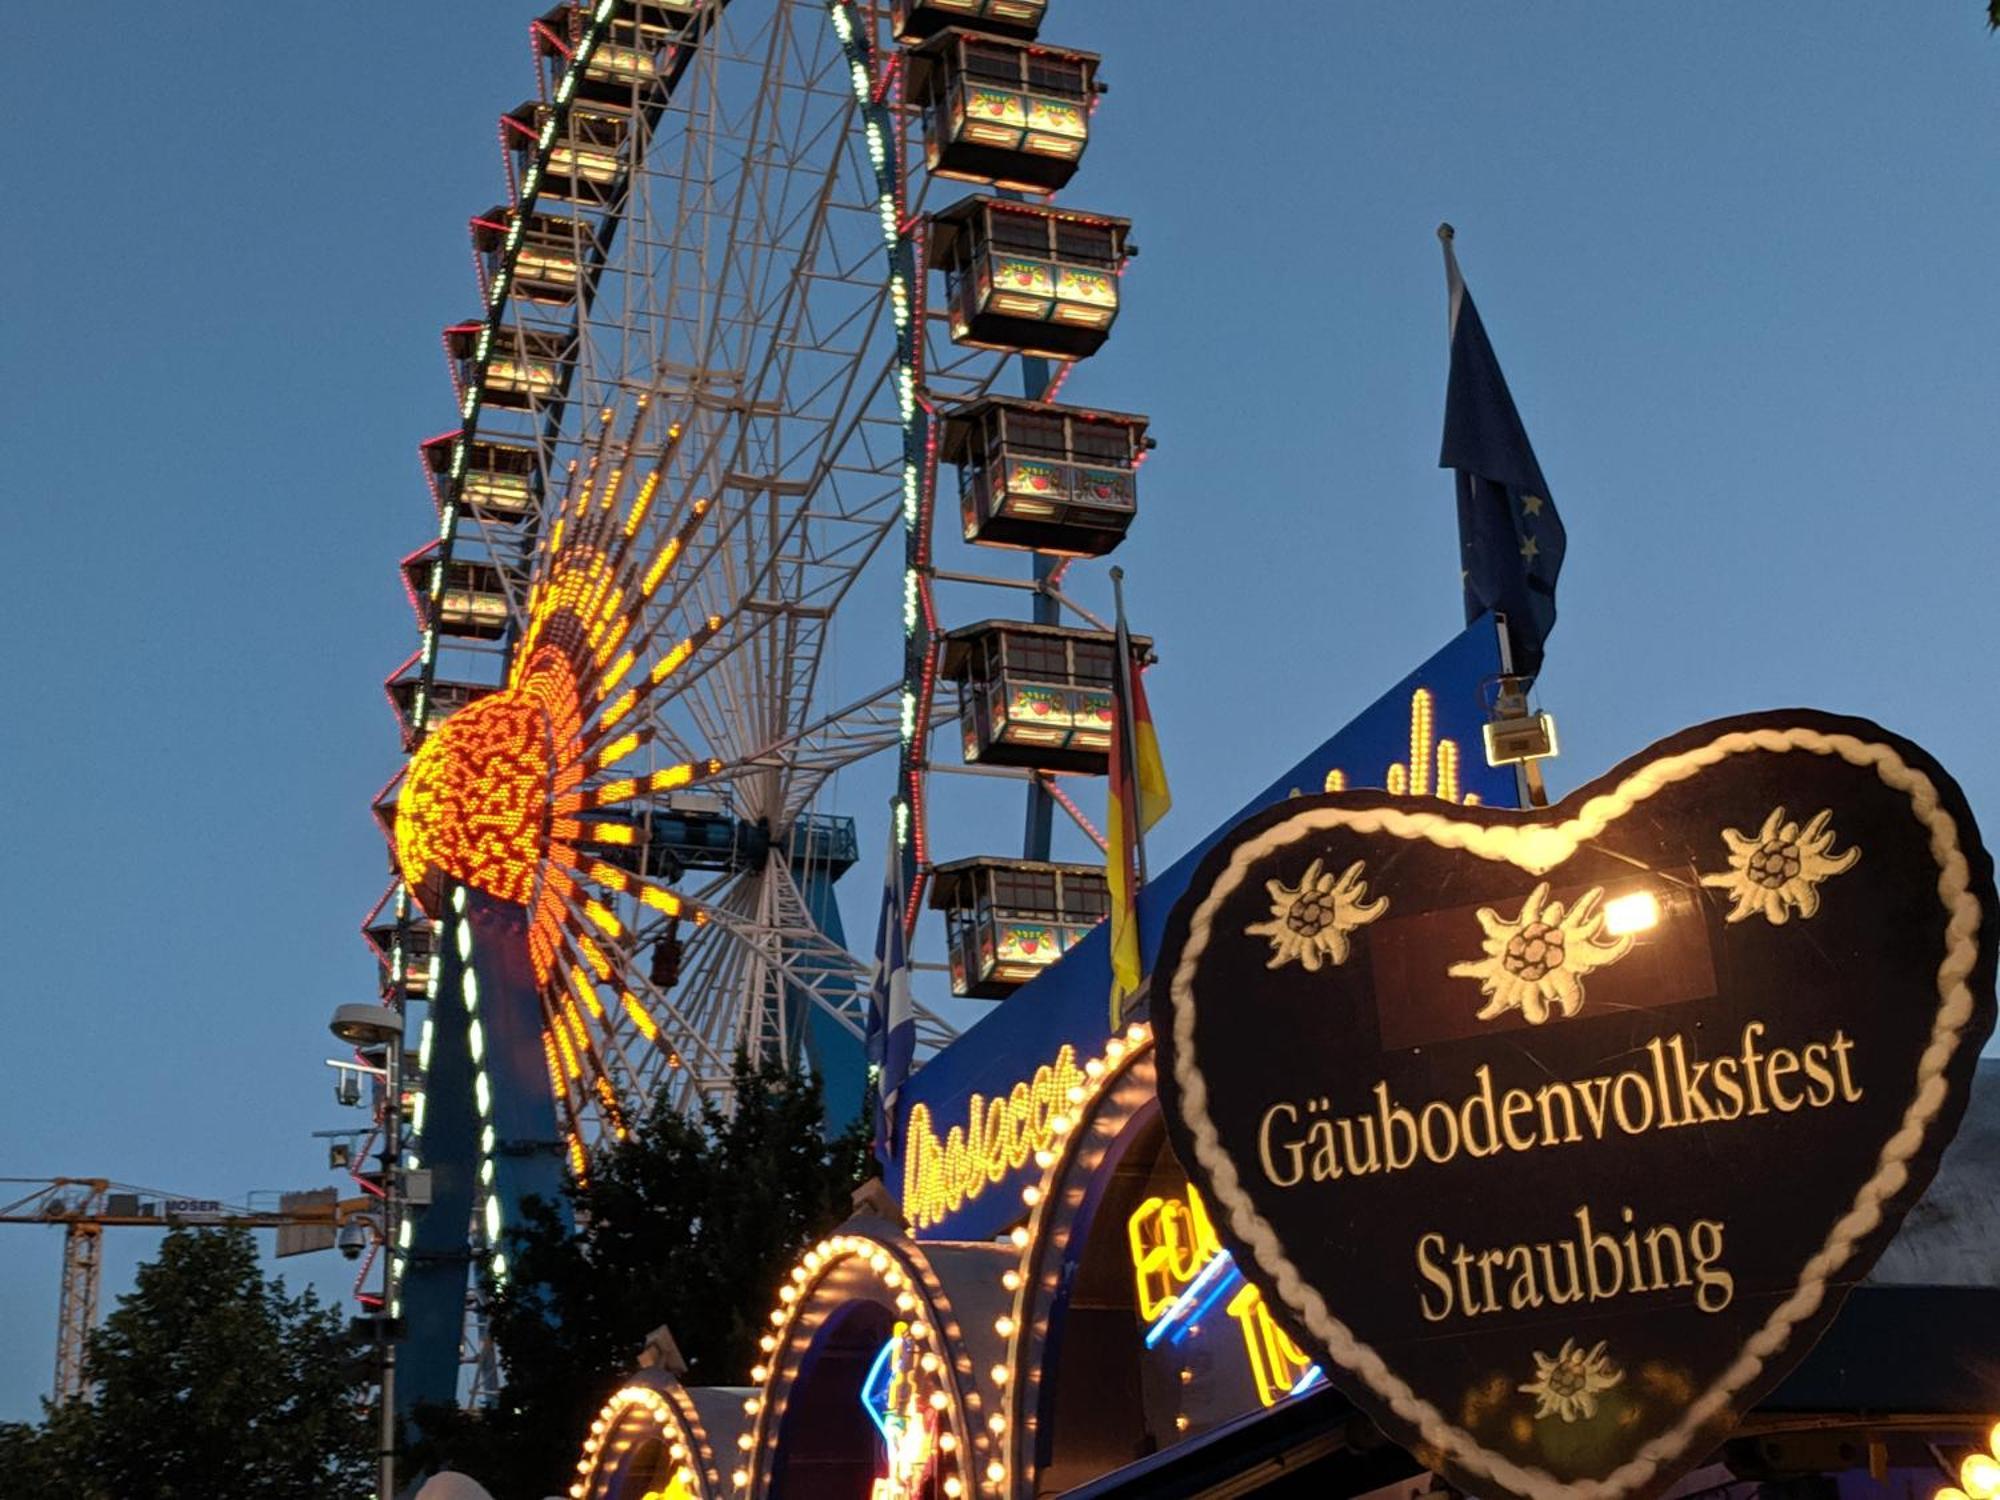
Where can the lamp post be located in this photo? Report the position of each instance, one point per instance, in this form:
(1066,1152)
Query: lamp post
(370,1027)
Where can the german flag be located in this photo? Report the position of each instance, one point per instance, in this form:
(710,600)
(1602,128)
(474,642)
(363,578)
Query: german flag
(1139,799)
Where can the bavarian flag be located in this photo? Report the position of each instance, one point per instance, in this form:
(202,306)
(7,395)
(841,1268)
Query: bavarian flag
(1511,541)
(1139,799)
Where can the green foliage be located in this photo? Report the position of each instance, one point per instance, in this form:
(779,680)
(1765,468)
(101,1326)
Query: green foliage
(689,1223)
(209,1380)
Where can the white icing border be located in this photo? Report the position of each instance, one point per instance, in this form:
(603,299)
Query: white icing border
(1539,848)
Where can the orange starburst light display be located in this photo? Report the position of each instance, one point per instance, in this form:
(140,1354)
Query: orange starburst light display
(496,797)
(475,804)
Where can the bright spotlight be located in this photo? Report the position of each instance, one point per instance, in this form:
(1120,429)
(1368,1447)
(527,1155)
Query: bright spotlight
(1631,913)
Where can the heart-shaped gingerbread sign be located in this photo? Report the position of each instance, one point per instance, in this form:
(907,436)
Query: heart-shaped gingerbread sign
(1560,1134)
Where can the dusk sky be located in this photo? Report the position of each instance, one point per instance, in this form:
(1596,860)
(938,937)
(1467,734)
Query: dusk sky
(1737,262)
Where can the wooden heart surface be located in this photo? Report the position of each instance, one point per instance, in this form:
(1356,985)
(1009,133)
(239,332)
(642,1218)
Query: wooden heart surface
(1560,1134)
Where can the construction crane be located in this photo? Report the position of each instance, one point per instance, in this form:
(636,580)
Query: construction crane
(87,1206)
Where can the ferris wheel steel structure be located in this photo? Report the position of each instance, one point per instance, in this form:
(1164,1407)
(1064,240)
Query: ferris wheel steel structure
(696,406)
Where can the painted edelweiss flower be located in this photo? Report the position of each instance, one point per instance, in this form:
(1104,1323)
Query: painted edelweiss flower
(1779,870)
(1541,956)
(1568,1385)
(1311,920)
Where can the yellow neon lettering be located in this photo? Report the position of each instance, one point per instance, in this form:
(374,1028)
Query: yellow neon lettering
(999,1135)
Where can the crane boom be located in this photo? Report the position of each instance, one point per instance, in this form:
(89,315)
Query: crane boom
(87,1206)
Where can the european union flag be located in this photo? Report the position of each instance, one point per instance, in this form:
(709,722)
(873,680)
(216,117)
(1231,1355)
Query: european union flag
(1510,538)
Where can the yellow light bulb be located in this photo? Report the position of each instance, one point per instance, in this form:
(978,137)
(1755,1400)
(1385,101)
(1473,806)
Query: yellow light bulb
(1980,1475)
(1635,912)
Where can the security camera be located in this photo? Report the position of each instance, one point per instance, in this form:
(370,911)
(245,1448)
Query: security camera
(352,1240)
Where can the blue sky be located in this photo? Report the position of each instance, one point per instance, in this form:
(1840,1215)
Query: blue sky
(1736,261)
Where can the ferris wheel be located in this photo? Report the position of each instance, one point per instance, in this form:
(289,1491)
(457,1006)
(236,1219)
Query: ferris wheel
(700,416)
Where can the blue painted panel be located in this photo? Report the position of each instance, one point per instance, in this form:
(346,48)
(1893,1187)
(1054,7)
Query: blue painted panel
(528,1146)
(439,1260)
(529,1159)
(838,1057)
(1069,1003)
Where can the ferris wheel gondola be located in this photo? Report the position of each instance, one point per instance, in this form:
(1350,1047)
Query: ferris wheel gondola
(702,400)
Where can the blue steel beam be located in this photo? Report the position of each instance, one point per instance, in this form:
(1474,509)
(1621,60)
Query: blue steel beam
(490,1136)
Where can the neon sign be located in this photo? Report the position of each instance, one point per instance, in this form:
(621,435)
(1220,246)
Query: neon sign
(1433,767)
(999,1135)
(908,1423)
(1180,1271)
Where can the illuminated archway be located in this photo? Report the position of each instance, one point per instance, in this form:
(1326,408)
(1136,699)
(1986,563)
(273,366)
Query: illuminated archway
(864,1295)
(1071,1406)
(656,1439)
(824,1447)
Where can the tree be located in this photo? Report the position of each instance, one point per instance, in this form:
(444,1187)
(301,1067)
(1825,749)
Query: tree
(688,1222)
(209,1380)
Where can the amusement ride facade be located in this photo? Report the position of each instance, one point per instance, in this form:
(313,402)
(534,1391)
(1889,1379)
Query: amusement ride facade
(700,419)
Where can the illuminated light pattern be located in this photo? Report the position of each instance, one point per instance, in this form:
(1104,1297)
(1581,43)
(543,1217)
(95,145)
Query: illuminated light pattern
(1012,1397)
(496,798)
(1180,1271)
(875,85)
(489,1211)
(955,1437)
(906,1414)
(641,1018)
(1171,1240)
(475,797)
(999,1135)
(1978,1472)
(1432,769)
(682,1484)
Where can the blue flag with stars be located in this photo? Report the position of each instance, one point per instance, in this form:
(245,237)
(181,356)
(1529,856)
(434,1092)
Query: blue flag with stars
(1510,538)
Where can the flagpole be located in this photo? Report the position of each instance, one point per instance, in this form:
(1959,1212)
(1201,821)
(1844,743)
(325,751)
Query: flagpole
(1454,283)
(1127,725)
(1511,702)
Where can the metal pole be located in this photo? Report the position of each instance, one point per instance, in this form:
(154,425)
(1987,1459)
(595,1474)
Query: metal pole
(392,1181)
(1127,723)
(1039,835)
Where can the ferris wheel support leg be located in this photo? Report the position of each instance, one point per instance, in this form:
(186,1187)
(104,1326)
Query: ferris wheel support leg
(527,1151)
(435,1271)
(1037,375)
(490,1136)
(838,1059)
